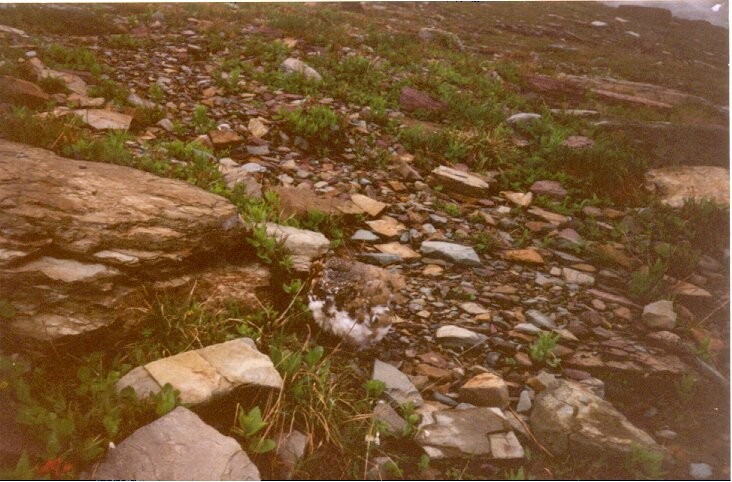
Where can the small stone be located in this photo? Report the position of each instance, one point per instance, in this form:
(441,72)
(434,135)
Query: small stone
(666,434)
(387,227)
(383,412)
(552,189)
(524,403)
(473,308)
(257,127)
(461,182)
(527,328)
(522,199)
(660,315)
(224,138)
(456,336)
(577,277)
(292,65)
(541,381)
(541,320)
(522,117)
(398,388)
(486,390)
(364,236)
(290,450)
(401,250)
(165,124)
(455,253)
(700,471)
(380,259)
(528,255)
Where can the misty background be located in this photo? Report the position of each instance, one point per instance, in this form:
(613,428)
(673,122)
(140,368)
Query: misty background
(715,12)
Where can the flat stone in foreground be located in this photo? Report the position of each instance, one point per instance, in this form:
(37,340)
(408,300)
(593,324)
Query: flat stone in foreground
(177,446)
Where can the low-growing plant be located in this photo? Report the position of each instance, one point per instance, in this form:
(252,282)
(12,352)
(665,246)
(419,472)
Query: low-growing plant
(156,93)
(319,125)
(202,123)
(76,58)
(646,283)
(110,148)
(483,242)
(249,426)
(542,350)
(644,463)
(269,249)
(110,90)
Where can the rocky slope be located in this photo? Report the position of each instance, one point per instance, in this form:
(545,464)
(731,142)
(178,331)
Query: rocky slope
(547,315)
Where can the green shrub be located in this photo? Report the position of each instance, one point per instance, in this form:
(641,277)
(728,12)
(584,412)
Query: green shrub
(542,350)
(319,125)
(202,123)
(110,148)
(76,58)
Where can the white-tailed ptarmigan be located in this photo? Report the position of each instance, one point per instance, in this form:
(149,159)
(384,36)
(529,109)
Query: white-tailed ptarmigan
(353,300)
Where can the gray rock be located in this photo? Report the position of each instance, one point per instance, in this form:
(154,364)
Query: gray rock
(290,449)
(527,328)
(365,236)
(522,117)
(524,403)
(541,320)
(204,374)
(700,471)
(461,182)
(451,335)
(466,432)
(399,388)
(305,245)
(455,253)
(137,101)
(568,419)
(577,277)
(660,315)
(381,259)
(177,446)
(395,423)
(166,124)
(292,65)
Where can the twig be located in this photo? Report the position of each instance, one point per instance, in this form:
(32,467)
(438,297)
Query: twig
(531,434)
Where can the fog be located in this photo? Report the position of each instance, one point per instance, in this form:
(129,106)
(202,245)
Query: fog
(713,11)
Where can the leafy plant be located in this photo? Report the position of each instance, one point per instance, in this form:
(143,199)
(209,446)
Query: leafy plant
(519,474)
(249,425)
(411,417)
(542,350)
(269,249)
(202,123)
(317,124)
(645,284)
(374,389)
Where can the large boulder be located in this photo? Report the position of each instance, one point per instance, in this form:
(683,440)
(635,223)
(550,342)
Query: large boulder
(569,419)
(177,446)
(19,91)
(80,241)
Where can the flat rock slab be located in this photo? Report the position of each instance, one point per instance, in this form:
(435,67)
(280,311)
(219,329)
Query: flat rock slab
(177,446)
(461,182)
(305,245)
(528,256)
(675,185)
(204,374)
(398,387)
(455,253)
(80,238)
(569,419)
(102,119)
(466,432)
(456,336)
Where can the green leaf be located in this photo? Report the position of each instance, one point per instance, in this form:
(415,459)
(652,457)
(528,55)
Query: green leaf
(111,424)
(251,423)
(167,400)
(312,357)
(262,445)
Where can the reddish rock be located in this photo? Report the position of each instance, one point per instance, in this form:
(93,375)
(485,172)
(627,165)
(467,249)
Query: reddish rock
(224,138)
(412,99)
(19,91)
